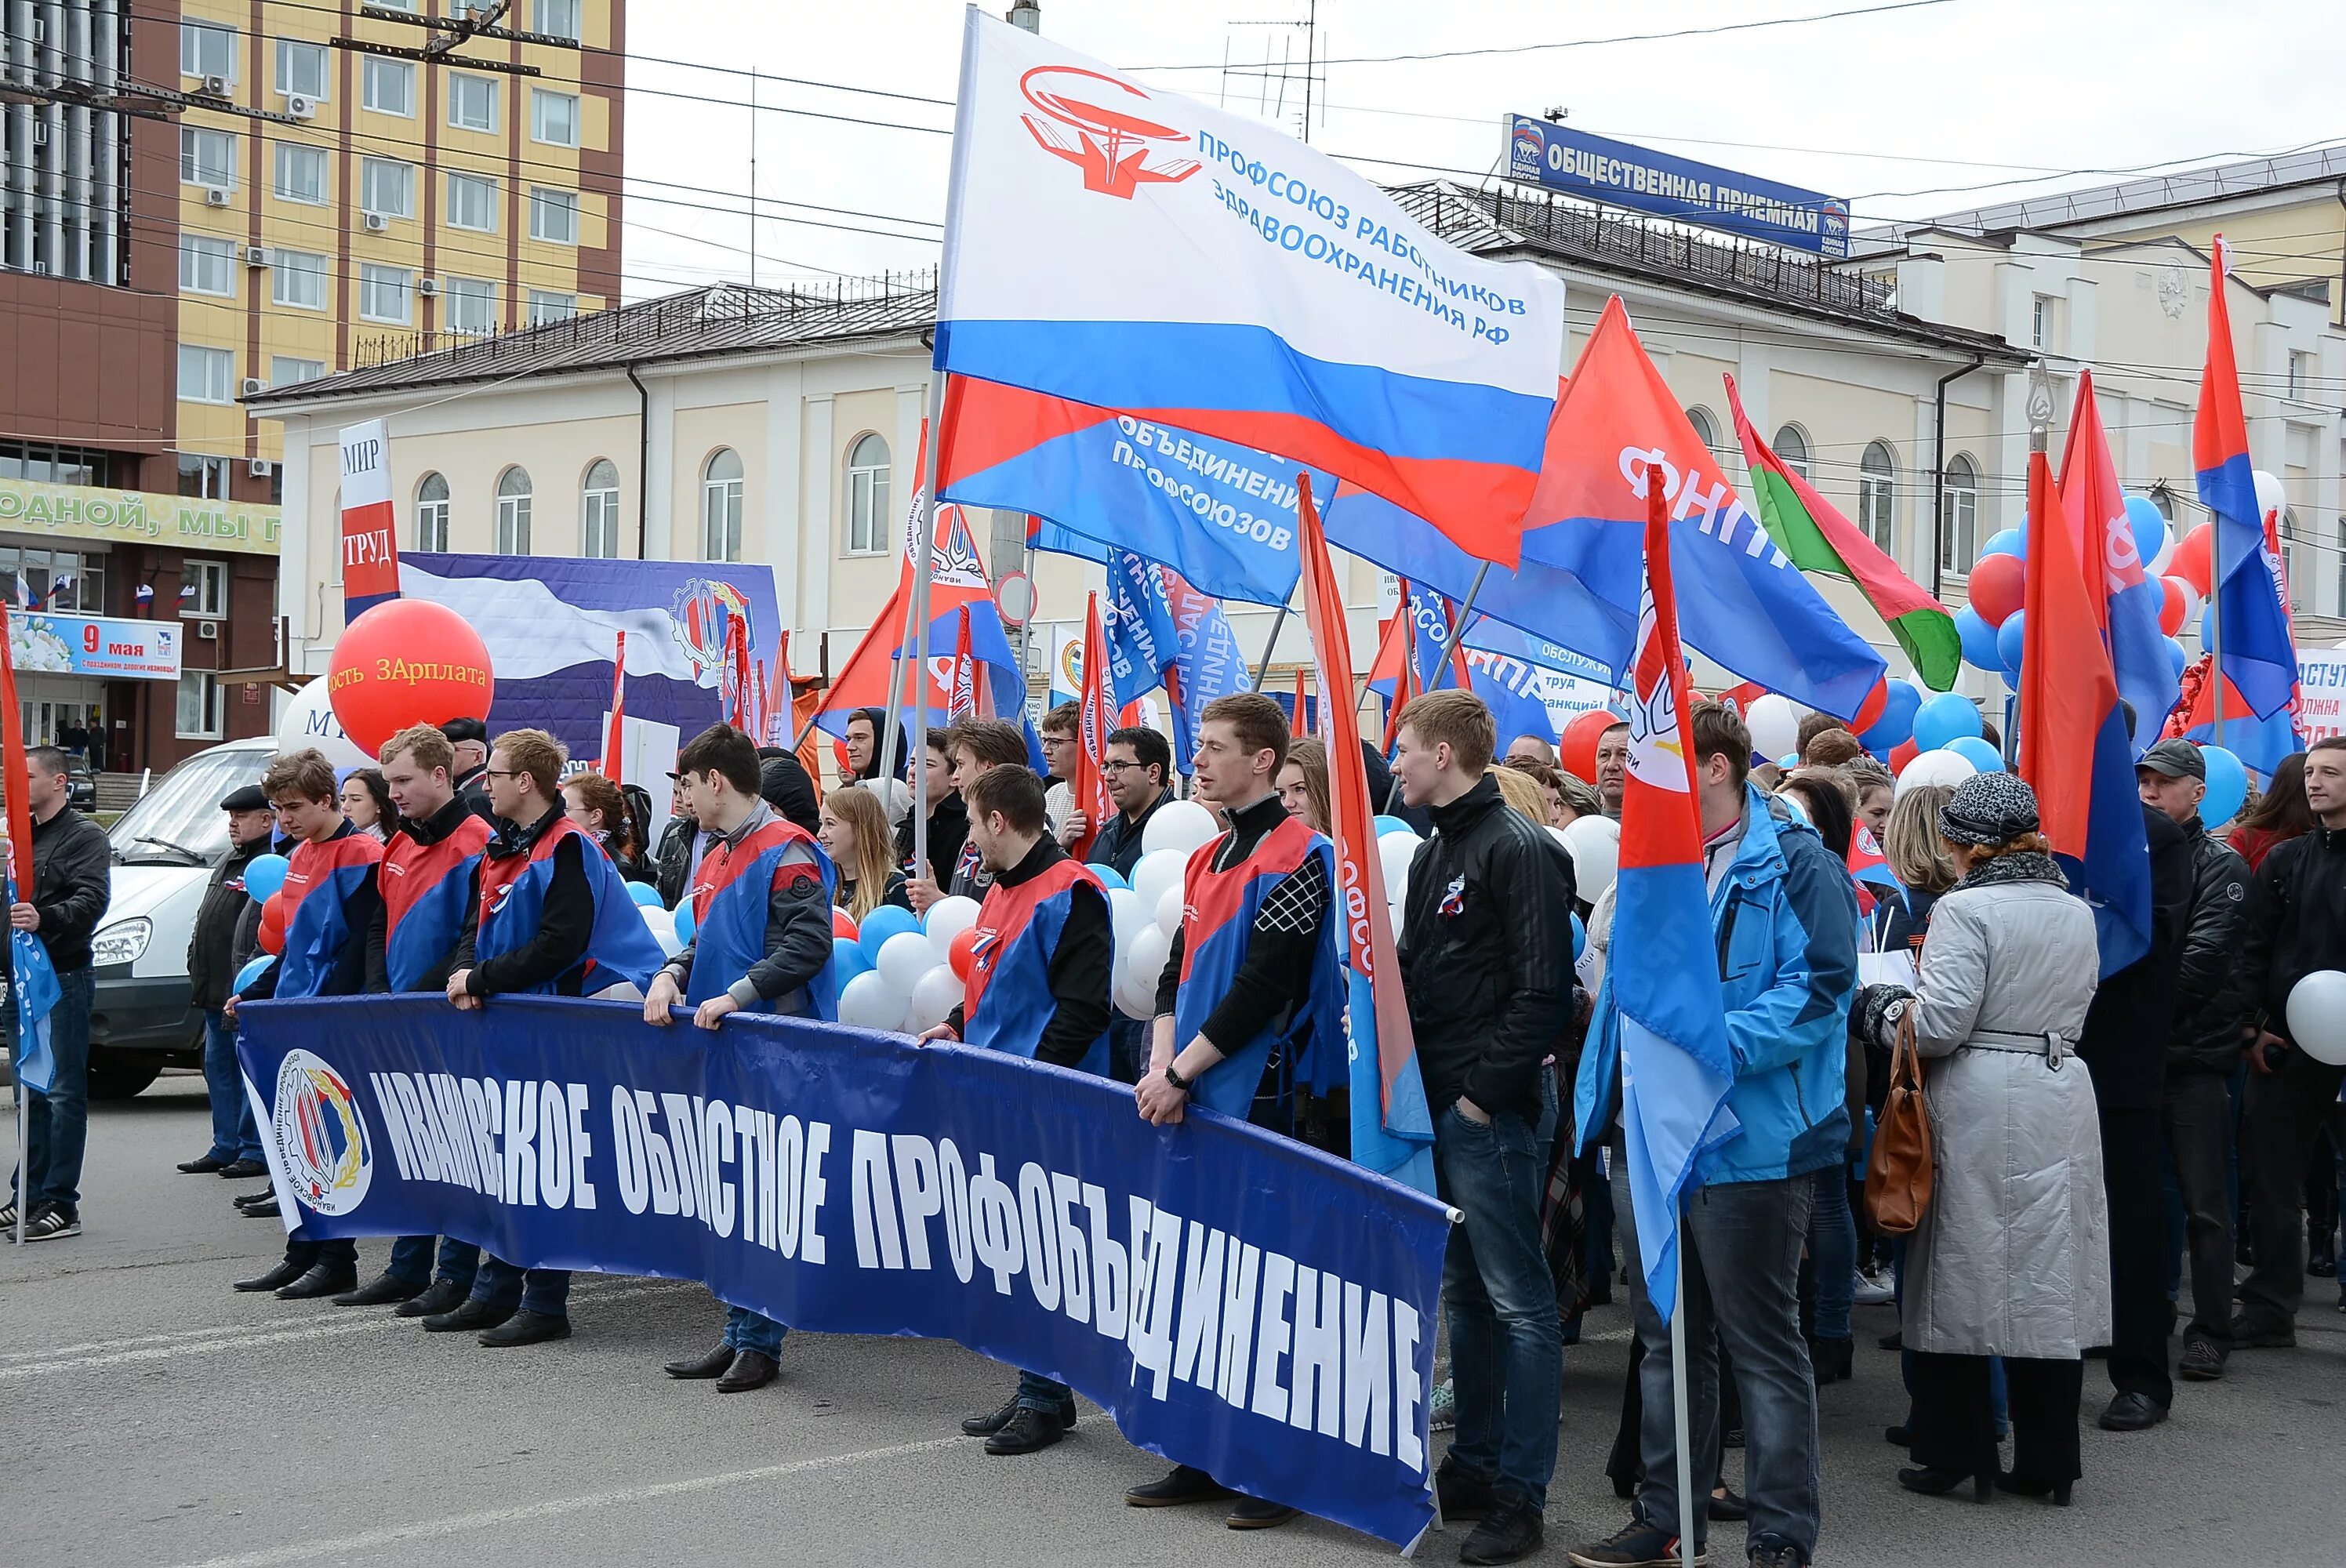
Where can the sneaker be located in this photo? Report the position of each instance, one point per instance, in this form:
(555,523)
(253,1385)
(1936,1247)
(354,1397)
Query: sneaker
(1461,1496)
(1872,1292)
(1636,1544)
(52,1224)
(1512,1530)
(8,1218)
(2203,1361)
(1777,1557)
(2250,1335)
(1442,1409)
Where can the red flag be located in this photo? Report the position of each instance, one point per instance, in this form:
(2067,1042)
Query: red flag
(16,776)
(615,738)
(1299,725)
(2058,717)
(962,702)
(1096,720)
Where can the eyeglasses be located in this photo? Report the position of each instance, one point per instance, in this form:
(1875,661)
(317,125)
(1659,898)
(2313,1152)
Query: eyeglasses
(511,773)
(1113,768)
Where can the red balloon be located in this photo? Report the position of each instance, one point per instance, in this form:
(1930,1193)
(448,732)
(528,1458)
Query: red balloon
(963,952)
(407,661)
(2171,613)
(1903,753)
(1999,585)
(2190,560)
(272,925)
(1578,747)
(842,923)
(1870,709)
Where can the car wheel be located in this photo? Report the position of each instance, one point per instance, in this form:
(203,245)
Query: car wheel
(115,1077)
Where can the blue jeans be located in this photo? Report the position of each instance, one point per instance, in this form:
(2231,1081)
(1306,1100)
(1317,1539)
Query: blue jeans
(747,1331)
(1832,1252)
(1128,1041)
(56,1124)
(410,1260)
(234,1135)
(1741,1246)
(1037,1392)
(1507,1346)
(500,1284)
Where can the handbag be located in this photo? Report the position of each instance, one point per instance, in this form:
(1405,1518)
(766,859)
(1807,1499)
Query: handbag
(1898,1171)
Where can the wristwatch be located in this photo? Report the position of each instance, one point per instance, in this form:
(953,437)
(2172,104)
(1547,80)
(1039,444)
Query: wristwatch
(1175,1078)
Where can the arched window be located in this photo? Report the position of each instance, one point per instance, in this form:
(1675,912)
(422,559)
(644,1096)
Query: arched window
(867,496)
(721,506)
(1705,427)
(1959,515)
(598,524)
(1877,492)
(432,514)
(1793,448)
(512,512)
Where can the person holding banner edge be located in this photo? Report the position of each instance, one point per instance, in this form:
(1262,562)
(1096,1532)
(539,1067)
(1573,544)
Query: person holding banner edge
(235,1150)
(1138,770)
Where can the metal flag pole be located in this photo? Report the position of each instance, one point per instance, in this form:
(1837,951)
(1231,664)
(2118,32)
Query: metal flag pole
(1262,671)
(2216,611)
(1458,627)
(1678,1409)
(924,574)
(892,718)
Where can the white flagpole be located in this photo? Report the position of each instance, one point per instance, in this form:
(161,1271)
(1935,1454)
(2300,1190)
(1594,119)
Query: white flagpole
(1687,1503)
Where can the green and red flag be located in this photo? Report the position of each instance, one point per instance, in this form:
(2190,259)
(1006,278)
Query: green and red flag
(1812,532)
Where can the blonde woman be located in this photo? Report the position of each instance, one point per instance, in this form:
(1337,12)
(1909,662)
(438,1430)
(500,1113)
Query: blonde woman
(854,834)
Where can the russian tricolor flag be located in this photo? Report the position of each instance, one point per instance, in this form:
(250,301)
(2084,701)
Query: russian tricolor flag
(2125,600)
(2260,658)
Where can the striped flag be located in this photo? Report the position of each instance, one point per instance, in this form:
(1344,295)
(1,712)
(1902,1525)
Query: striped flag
(615,738)
(1096,720)
(2260,659)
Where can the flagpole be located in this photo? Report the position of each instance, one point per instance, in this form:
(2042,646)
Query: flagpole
(924,572)
(2215,610)
(1687,1500)
(1458,627)
(1262,671)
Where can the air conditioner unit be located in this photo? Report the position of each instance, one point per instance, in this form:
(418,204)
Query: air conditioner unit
(429,288)
(217,87)
(252,384)
(256,256)
(207,631)
(215,196)
(259,467)
(302,105)
(376,222)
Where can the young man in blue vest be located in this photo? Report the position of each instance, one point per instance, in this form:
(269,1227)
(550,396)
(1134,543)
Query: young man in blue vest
(552,918)
(430,880)
(761,940)
(1038,988)
(1251,999)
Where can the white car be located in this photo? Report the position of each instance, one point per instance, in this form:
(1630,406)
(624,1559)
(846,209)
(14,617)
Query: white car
(165,849)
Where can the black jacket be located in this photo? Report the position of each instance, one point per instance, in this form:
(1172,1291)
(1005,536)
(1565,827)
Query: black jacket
(1119,844)
(948,827)
(2295,924)
(211,946)
(556,951)
(473,789)
(73,865)
(2133,1013)
(1486,954)
(782,780)
(2206,1037)
(431,830)
(672,860)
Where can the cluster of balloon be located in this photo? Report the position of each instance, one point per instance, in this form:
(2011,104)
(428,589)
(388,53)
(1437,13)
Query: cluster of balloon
(1948,744)
(404,662)
(661,921)
(1147,915)
(1993,625)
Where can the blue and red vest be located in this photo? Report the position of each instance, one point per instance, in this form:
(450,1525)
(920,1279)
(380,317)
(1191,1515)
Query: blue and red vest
(321,880)
(1007,1000)
(619,945)
(1217,923)
(733,893)
(425,890)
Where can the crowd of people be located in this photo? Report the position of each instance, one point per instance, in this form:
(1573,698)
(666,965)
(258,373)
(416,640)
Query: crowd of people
(2099,1146)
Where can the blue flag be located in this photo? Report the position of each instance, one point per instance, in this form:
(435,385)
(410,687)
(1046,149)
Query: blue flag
(1211,663)
(36,995)
(1139,626)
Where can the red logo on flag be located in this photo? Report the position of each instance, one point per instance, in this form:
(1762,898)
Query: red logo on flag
(1111,144)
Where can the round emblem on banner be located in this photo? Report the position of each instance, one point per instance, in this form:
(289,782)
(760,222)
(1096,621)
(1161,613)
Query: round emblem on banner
(322,1142)
(1015,596)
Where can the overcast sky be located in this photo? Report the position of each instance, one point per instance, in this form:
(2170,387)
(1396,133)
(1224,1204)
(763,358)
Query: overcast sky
(1882,109)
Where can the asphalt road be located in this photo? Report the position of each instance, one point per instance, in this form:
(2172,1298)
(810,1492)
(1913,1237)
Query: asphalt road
(149,1417)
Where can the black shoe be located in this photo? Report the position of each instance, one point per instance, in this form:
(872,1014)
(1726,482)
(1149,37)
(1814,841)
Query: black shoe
(1513,1529)
(469,1314)
(1728,1507)
(320,1279)
(993,1421)
(202,1164)
(1731,1438)
(1831,1359)
(2056,1491)
(2203,1360)
(1026,1431)
(439,1296)
(714,1364)
(2250,1335)
(1636,1544)
(2132,1414)
(8,1219)
(382,1291)
(751,1369)
(265,1209)
(242,1170)
(1461,1496)
(1896,1437)
(1933,1481)
(2322,1261)
(276,1278)
(1893,1340)
(1183,1484)
(50,1223)
(527,1329)
(1777,1557)
(1254,1514)
(248,1199)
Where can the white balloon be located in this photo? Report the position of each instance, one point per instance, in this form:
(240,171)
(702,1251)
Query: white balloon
(309,721)
(2192,603)
(1179,826)
(2317,1015)
(947,919)
(1127,916)
(1155,872)
(1396,851)
(2270,495)
(904,958)
(1596,846)
(1934,768)
(1169,907)
(663,928)
(1774,721)
(866,1003)
(2156,565)
(934,995)
(1137,974)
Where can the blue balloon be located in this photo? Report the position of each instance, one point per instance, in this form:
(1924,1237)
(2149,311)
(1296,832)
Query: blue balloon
(882,923)
(1579,939)
(2149,528)
(265,874)
(847,959)
(2176,657)
(1979,640)
(1789,760)
(2228,786)
(256,968)
(1946,717)
(2006,542)
(684,920)
(645,894)
(1392,825)
(1975,750)
(1903,700)
(2009,640)
(1109,876)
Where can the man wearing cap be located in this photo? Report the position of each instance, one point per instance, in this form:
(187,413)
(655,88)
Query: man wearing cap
(2196,1110)
(469,737)
(212,974)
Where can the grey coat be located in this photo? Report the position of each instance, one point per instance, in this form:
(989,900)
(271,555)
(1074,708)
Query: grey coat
(2013,1256)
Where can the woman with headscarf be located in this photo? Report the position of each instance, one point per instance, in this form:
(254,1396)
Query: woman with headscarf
(2012,1257)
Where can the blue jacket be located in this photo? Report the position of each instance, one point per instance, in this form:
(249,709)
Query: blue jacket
(1783,921)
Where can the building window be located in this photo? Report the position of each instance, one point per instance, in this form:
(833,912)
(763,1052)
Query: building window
(300,173)
(61,580)
(553,215)
(2041,323)
(390,86)
(203,478)
(721,506)
(513,513)
(384,293)
(867,496)
(284,370)
(599,531)
(45,462)
(1877,492)
(1793,448)
(472,305)
(206,157)
(2289,560)
(299,279)
(205,50)
(473,203)
(553,117)
(207,265)
(558,17)
(302,68)
(1959,515)
(2300,374)
(210,581)
(199,706)
(1705,429)
(207,375)
(545,305)
(472,102)
(387,185)
(432,514)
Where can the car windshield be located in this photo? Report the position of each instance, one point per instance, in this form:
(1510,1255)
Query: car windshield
(179,821)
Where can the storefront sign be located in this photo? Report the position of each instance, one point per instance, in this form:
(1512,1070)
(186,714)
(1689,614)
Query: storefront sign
(1601,170)
(94,645)
(138,517)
